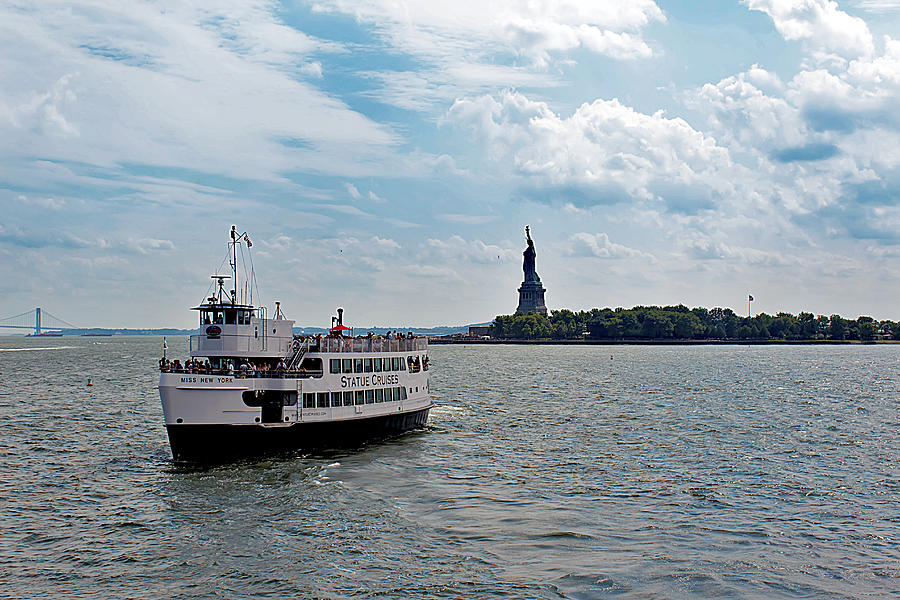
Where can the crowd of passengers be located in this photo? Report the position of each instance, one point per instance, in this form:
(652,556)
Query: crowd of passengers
(390,335)
(244,368)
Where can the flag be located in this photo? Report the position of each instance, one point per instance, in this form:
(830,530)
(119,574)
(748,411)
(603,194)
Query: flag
(750,298)
(249,243)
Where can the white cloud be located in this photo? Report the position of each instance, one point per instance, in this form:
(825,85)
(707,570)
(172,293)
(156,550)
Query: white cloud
(46,203)
(147,245)
(456,249)
(353,191)
(313,69)
(606,146)
(209,86)
(598,245)
(532,29)
(819,23)
(471,47)
(707,249)
(385,243)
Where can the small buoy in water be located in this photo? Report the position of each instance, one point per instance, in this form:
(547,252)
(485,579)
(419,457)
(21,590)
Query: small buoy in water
(610,357)
(89,381)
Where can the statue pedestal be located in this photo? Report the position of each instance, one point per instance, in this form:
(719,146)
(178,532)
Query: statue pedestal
(531,299)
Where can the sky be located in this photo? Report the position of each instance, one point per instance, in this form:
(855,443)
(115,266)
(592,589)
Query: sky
(385,156)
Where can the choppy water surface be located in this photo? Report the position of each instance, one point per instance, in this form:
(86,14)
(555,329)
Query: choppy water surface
(548,472)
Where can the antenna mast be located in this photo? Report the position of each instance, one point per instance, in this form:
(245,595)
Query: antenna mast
(234,263)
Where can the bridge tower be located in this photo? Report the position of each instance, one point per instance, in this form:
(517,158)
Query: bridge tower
(37,320)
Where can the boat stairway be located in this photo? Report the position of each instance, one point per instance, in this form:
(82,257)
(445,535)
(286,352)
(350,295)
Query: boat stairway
(296,358)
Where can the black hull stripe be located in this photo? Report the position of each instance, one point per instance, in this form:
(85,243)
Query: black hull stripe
(224,443)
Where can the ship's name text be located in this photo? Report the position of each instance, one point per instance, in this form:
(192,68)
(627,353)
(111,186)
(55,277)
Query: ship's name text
(207,379)
(365,381)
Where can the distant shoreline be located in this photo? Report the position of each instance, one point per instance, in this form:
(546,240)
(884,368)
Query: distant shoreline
(521,342)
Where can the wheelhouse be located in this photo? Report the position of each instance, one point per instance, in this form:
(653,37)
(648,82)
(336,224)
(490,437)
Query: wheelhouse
(227,314)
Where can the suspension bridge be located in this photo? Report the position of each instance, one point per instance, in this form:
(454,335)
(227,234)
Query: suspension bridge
(39,321)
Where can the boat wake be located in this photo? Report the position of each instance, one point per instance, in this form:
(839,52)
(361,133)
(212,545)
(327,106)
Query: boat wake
(37,348)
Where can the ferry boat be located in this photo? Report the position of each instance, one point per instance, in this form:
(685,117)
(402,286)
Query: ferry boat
(252,387)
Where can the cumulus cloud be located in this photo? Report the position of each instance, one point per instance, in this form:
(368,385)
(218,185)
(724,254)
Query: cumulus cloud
(707,249)
(819,23)
(386,243)
(598,245)
(604,146)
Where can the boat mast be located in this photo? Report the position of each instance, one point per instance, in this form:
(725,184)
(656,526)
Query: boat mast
(234,263)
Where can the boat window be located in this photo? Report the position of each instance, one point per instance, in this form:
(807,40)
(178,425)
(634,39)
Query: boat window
(360,397)
(230,316)
(377,365)
(205,318)
(395,364)
(357,365)
(370,396)
(347,365)
(309,400)
(334,365)
(368,363)
(403,393)
(387,364)
(402,364)
(348,398)
(335,398)
(217,317)
(379,395)
(311,365)
(322,400)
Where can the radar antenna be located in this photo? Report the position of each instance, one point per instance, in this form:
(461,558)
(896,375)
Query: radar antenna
(220,282)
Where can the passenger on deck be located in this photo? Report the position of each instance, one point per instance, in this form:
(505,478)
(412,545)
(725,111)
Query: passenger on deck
(231,367)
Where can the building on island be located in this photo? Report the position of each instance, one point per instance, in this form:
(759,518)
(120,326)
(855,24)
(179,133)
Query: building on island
(531,292)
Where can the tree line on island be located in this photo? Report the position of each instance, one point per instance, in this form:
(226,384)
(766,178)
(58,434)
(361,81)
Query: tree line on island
(683,323)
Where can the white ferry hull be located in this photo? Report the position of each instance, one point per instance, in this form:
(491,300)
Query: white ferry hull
(223,442)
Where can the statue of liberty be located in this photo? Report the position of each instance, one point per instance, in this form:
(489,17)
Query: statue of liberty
(531,275)
(531,292)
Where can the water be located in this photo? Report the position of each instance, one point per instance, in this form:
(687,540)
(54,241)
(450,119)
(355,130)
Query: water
(548,472)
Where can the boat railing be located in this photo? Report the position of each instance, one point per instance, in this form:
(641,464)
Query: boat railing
(239,374)
(249,344)
(374,344)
